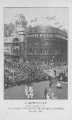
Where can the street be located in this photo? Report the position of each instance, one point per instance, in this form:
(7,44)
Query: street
(17,92)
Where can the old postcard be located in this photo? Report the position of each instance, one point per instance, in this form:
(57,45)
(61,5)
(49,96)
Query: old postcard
(36,53)
(36,59)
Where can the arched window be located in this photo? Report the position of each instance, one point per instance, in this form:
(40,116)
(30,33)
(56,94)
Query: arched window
(40,35)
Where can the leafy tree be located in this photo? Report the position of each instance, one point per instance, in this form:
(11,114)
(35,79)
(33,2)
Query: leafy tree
(8,29)
(21,20)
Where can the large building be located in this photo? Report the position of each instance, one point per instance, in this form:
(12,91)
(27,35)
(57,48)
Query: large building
(39,44)
(47,44)
(14,47)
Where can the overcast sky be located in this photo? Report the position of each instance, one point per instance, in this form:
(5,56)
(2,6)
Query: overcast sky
(56,16)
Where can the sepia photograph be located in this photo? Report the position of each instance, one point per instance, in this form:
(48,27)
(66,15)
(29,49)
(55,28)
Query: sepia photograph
(35,53)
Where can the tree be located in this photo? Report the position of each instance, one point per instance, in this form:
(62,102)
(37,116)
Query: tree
(8,29)
(21,20)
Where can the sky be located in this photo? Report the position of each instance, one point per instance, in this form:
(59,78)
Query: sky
(45,16)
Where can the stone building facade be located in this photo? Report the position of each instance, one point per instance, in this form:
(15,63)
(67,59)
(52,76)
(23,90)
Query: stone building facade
(39,44)
(47,44)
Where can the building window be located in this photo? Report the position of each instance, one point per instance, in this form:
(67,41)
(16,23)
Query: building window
(41,35)
(41,51)
(30,49)
(15,51)
(35,35)
(46,35)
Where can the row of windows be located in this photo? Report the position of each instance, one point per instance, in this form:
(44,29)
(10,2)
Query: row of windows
(39,35)
(45,35)
(12,51)
(49,59)
(43,51)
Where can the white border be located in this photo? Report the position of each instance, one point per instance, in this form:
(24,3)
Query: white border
(66,104)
